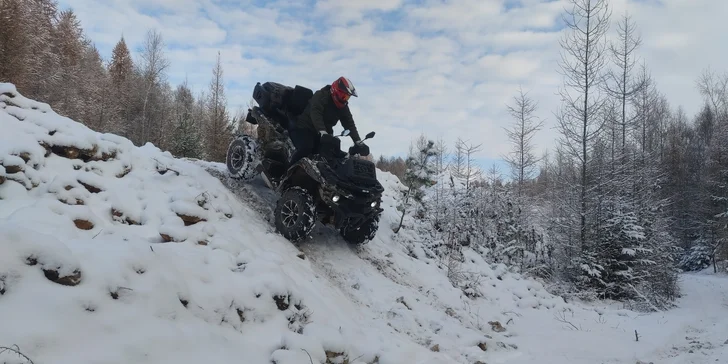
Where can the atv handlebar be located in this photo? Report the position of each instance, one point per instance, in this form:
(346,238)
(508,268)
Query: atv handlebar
(358,149)
(346,132)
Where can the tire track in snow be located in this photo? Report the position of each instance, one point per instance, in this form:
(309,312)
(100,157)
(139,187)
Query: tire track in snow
(256,195)
(703,336)
(331,257)
(324,241)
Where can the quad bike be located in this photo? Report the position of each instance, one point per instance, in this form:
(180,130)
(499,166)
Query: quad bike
(338,189)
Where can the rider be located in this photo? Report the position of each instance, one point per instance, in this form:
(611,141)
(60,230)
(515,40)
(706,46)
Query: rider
(315,125)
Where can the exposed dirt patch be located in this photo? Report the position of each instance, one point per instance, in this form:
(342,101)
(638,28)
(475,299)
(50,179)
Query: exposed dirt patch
(119,216)
(127,170)
(333,357)
(70,280)
(190,219)
(83,224)
(282,302)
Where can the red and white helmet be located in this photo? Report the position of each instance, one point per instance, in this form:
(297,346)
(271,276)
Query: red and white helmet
(341,90)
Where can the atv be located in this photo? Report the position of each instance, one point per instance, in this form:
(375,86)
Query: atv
(338,189)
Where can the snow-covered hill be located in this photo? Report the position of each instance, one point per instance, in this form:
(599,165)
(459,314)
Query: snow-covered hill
(111,253)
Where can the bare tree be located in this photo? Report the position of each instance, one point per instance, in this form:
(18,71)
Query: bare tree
(714,89)
(153,65)
(645,101)
(242,126)
(522,158)
(623,86)
(441,166)
(218,130)
(14,44)
(464,167)
(582,64)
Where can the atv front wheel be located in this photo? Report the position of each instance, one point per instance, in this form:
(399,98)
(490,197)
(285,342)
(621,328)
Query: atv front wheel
(242,158)
(363,234)
(295,214)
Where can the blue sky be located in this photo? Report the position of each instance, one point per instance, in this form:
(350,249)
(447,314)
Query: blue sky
(442,68)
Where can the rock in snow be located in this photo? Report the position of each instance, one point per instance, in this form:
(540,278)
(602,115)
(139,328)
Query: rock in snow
(105,259)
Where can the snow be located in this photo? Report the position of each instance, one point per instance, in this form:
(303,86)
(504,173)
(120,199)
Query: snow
(227,288)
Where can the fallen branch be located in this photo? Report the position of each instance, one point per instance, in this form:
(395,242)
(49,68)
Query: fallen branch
(512,312)
(647,300)
(16,350)
(561,317)
(309,355)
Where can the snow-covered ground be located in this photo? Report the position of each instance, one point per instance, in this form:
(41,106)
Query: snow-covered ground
(110,253)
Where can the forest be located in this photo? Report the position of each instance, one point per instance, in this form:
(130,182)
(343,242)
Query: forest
(45,53)
(634,192)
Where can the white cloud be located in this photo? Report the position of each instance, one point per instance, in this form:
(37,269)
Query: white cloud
(341,12)
(514,66)
(443,68)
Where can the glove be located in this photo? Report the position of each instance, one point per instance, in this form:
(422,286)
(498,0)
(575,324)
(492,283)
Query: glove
(327,138)
(329,143)
(359,148)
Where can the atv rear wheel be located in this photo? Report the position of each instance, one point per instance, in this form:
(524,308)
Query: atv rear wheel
(242,158)
(295,214)
(365,233)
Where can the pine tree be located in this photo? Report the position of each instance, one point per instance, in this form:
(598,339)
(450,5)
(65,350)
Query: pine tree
(121,74)
(121,65)
(44,66)
(94,90)
(69,43)
(14,43)
(419,173)
(186,138)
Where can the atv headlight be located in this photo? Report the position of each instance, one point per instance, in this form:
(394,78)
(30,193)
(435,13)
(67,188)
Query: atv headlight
(335,198)
(374,204)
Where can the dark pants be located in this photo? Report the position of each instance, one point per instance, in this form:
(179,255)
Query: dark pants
(306,142)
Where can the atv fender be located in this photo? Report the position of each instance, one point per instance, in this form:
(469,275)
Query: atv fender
(304,174)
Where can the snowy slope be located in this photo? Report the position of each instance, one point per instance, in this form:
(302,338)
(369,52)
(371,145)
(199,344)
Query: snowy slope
(225,290)
(111,253)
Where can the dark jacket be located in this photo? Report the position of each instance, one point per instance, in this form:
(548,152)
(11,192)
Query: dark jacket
(321,114)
